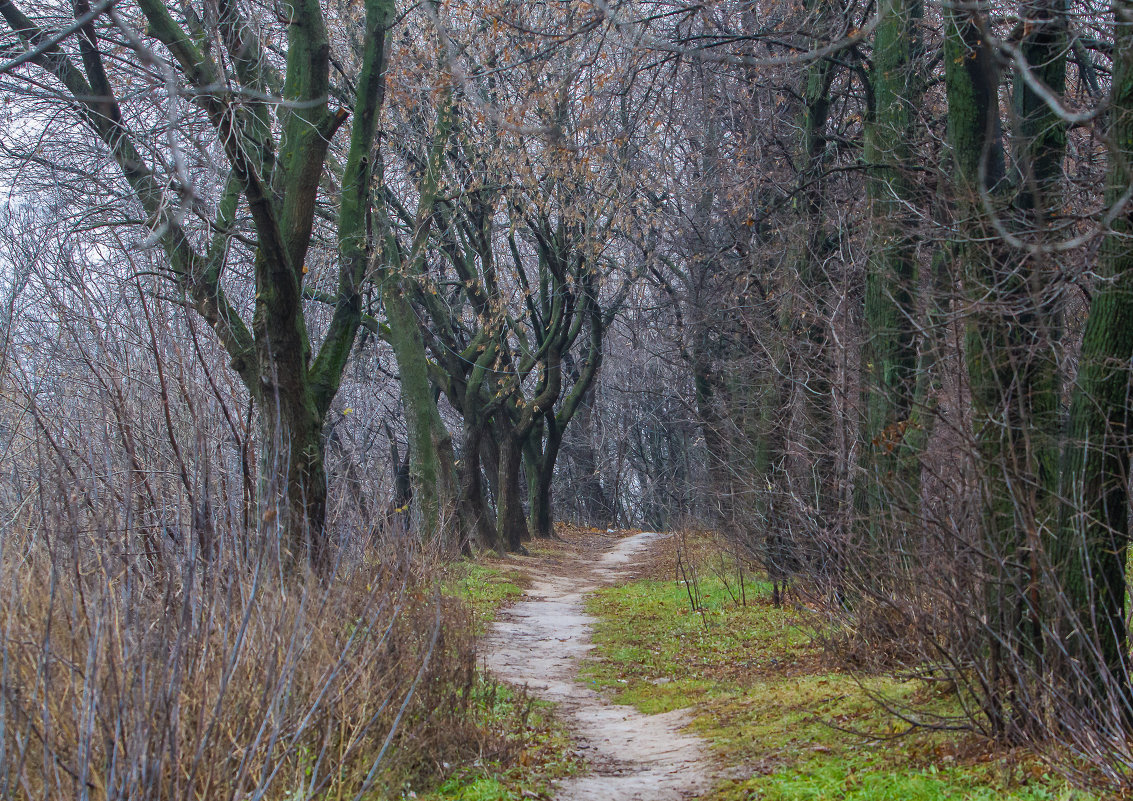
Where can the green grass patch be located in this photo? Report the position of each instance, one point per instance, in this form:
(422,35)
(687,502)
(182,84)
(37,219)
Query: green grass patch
(771,708)
(832,781)
(485,588)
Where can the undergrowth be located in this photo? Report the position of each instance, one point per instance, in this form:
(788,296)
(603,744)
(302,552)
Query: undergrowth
(790,726)
(539,751)
(536,748)
(221,681)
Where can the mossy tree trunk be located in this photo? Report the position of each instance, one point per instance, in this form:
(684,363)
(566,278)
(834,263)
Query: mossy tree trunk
(431,460)
(805,317)
(889,356)
(1012,381)
(1039,151)
(1091,549)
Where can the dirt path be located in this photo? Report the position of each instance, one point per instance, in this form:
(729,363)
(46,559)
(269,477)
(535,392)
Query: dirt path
(539,643)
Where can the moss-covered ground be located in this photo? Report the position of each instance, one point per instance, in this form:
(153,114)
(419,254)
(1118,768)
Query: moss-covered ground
(785,724)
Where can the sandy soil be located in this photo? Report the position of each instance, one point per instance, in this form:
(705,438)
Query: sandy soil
(539,642)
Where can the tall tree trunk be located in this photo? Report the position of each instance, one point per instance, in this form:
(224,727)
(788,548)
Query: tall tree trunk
(1039,154)
(972,83)
(1093,537)
(805,317)
(479,526)
(510,518)
(889,357)
(430,445)
(1011,373)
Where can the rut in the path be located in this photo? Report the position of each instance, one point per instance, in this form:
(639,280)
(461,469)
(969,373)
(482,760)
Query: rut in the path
(539,643)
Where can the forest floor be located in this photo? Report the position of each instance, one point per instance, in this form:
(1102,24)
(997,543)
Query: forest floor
(665,675)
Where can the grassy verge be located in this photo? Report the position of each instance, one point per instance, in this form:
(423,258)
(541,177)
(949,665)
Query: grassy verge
(526,747)
(485,586)
(774,712)
(533,750)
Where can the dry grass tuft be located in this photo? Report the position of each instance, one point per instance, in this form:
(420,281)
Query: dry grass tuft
(225,683)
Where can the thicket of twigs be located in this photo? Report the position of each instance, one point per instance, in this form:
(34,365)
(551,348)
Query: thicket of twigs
(219,683)
(153,644)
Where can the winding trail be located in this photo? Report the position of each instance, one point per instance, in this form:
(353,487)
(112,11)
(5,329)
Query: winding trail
(539,643)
